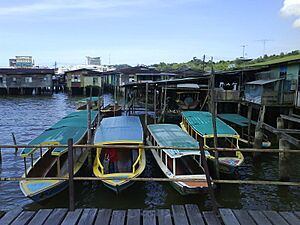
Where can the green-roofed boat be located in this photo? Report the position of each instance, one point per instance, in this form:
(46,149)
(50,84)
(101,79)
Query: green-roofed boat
(198,124)
(82,103)
(184,164)
(241,123)
(53,162)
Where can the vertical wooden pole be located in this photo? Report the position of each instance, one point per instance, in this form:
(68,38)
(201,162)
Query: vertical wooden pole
(71,181)
(25,167)
(214,122)
(115,97)
(0,155)
(146,105)
(165,103)
(15,142)
(89,134)
(99,104)
(154,105)
(258,135)
(249,115)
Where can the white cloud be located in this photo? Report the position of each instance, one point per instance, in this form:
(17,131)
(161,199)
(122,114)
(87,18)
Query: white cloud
(292,8)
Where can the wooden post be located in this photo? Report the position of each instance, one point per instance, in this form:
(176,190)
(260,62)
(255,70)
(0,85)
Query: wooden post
(25,167)
(258,135)
(214,122)
(99,104)
(154,105)
(0,155)
(210,186)
(15,142)
(71,181)
(284,174)
(165,103)
(249,116)
(146,106)
(89,134)
(115,97)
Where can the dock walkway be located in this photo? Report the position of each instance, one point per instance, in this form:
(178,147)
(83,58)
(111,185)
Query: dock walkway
(177,215)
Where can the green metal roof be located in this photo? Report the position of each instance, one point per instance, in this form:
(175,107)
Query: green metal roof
(202,123)
(236,119)
(73,126)
(172,135)
(84,100)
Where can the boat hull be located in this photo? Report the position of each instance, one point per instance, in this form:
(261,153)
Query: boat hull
(119,188)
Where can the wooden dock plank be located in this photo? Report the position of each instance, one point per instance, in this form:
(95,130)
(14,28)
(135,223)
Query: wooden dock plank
(40,217)
(228,217)
(275,218)
(164,217)
(210,218)
(56,217)
(259,217)
(23,218)
(72,217)
(290,217)
(243,217)
(88,216)
(179,215)
(118,217)
(194,215)
(10,216)
(133,217)
(149,217)
(103,216)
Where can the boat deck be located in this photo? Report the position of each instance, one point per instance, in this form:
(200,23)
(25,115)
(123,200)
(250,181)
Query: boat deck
(177,215)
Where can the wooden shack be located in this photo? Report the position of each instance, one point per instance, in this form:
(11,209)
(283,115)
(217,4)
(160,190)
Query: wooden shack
(25,81)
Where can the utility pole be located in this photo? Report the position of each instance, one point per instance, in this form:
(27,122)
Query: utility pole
(243,46)
(264,41)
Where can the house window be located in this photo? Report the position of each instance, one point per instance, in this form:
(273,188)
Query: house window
(1,80)
(28,79)
(283,71)
(95,80)
(75,78)
(14,79)
(45,78)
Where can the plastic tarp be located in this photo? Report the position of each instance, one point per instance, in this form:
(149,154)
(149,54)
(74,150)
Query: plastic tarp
(120,129)
(172,135)
(84,100)
(73,126)
(202,123)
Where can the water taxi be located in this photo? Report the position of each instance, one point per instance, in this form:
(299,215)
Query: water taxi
(112,110)
(119,163)
(198,124)
(52,162)
(82,103)
(240,123)
(184,164)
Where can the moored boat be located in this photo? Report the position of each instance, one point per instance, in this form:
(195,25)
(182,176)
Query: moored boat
(111,110)
(182,164)
(198,124)
(53,162)
(119,163)
(82,103)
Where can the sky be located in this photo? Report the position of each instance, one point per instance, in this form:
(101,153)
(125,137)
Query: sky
(146,31)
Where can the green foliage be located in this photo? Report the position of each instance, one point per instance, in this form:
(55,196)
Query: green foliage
(198,64)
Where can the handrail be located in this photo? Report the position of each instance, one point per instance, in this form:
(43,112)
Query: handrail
(6,147)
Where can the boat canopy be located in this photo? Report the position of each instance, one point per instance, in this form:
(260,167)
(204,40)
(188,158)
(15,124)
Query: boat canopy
(201,122)
(236,119)
(171,135)
(84,100)
(120,129)
(73,126)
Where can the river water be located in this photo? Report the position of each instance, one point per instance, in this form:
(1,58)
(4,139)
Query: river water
(27,117)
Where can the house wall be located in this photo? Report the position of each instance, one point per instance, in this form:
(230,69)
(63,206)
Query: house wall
(26,80)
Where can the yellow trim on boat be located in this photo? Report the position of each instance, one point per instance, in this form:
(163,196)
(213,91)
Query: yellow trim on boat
(43,143)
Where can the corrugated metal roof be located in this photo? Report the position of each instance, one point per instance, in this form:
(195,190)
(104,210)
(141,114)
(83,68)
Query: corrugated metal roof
(120,128)
(202,123)
(263,82)
(172,135)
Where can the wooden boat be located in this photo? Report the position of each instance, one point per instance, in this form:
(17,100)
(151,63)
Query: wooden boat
(119,163)
(112,110)
(182,164)
(240,123)
(198,124)
(53,162)
(82,103)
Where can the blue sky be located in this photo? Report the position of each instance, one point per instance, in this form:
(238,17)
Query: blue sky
(145,31)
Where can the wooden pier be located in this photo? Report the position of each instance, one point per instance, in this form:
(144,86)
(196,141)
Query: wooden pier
(177,215)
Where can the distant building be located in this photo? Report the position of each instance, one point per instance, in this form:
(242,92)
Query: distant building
(25,81)
(93,61)
(12,62)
